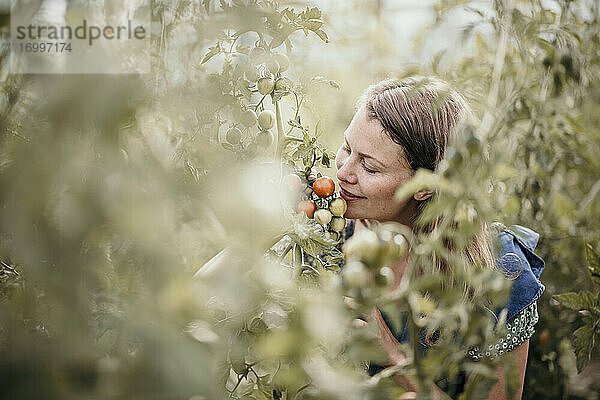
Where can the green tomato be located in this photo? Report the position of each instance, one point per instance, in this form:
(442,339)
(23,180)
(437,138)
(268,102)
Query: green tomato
(251,149)
(252,73)
(233,136)
(283,61)
(266,119)
(272,66)
(323,216)
(257,54)
(265,85)
(248,118)
(355,275)
(338,207)
(264,139)
(337,224)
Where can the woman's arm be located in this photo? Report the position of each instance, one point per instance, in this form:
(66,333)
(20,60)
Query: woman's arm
(390,345)
(520,363)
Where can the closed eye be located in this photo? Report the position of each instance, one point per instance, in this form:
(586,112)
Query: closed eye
(370,171)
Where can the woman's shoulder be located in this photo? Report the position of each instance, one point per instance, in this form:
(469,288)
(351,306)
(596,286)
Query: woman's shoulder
(513,248)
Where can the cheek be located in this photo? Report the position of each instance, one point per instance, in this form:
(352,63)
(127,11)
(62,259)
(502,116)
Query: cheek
(383,189)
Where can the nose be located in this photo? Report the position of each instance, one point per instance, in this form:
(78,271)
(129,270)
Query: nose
(345,171)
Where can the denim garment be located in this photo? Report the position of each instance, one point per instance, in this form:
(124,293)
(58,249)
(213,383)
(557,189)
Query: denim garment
(515,257)
(521,265)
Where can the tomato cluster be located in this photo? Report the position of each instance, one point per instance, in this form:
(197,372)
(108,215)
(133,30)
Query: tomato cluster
(319,202)
(263,75)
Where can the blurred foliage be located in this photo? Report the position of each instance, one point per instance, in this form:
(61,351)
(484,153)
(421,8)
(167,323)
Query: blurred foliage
(115,190)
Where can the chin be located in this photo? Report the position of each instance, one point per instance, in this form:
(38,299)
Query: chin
(354,214)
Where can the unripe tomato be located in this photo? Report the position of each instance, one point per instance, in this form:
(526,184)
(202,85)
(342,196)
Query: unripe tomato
(283,61)
(257,54)
(233,136)
(355,275)
(248,118)
(323,216)
(338,207)
(324,186)
(265,85)
(252,73)
(308,207)
(337,224)
(293,183)
(273,66)
(251,149)
(264,139)
(266,119)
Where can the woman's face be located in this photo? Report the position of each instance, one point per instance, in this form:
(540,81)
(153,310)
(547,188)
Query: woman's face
(370,169)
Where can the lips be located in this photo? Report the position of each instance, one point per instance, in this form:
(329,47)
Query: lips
(346,195)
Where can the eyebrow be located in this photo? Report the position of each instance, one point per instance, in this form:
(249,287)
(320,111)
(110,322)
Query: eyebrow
(363,155)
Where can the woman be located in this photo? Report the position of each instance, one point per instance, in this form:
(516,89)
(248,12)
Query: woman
(401,126)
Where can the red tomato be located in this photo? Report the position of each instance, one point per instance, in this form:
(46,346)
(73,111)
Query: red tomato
(308,207)
(293,183)
(324,186)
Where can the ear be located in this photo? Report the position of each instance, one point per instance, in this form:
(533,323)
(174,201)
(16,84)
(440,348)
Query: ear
(423,195)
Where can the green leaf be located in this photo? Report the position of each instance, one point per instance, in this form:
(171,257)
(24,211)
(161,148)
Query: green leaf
(593,263)
(325,160)
(295,124)
(213,51)
(584,343)
(311,13)
(321,33)
(206,4)
(577,301)
(313,25)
